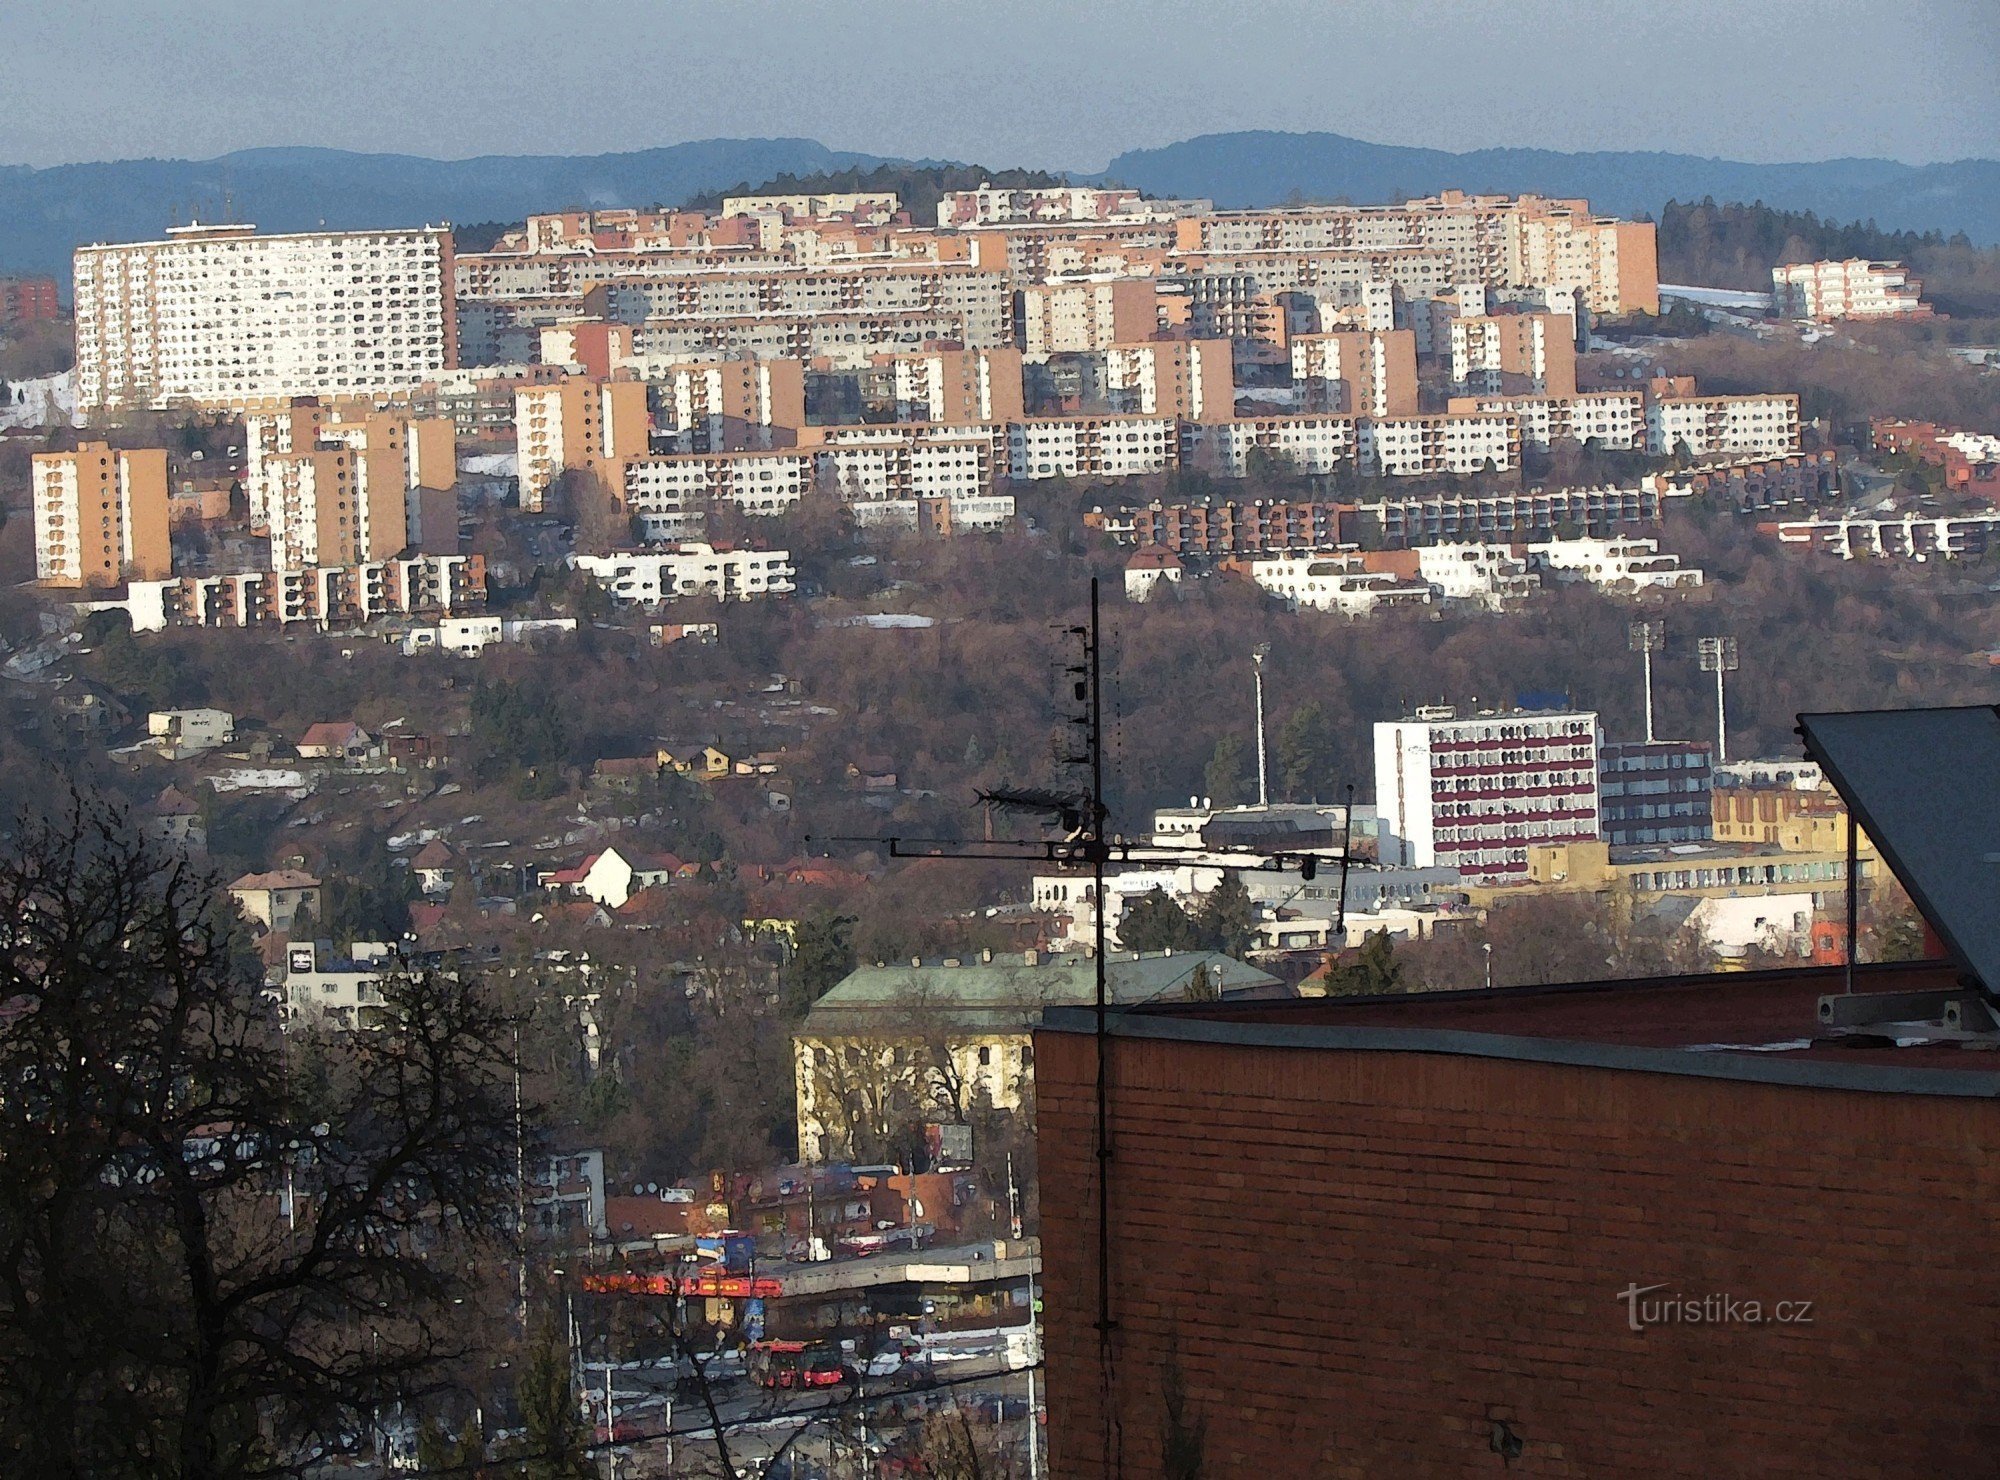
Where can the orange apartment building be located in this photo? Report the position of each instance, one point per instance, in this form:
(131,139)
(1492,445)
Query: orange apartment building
(956,386)
(101,516)
(1523,354)
(1358,374)
(1077,318)
(577,423)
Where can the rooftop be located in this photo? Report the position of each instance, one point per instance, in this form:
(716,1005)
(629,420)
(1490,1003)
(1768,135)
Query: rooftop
(1762,1025)
(1008,992)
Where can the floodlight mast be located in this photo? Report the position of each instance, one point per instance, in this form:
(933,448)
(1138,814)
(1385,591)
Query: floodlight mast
(1645,639)
(1718,655)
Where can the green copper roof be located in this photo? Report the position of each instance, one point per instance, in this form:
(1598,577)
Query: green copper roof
(1008,993)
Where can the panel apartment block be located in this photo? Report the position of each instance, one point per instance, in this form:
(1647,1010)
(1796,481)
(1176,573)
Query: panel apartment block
(219,316)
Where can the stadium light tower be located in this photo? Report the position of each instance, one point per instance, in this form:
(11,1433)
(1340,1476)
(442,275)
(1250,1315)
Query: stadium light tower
(1646,639)
(1257,657)
(1718,656)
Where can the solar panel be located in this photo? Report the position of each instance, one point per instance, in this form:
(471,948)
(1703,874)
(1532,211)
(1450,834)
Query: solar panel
(1924,784)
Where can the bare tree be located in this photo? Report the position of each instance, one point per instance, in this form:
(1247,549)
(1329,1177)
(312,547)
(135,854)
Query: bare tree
(214,1262)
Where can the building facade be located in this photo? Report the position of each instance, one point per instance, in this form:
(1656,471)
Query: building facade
(101,516)
(218,316)
(1474,793)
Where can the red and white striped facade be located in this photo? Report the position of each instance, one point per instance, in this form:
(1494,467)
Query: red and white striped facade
(1473,793)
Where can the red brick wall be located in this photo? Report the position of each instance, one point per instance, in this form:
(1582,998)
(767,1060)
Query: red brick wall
(1358,1261)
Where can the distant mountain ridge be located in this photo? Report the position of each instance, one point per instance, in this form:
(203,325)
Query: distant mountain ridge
(1255,169)
(46,213)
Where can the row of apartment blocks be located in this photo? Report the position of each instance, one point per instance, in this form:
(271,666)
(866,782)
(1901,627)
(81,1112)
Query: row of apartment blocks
(1216,527)
(333,484)
(318,596)
(217,315)
(1357,582)
(758,449)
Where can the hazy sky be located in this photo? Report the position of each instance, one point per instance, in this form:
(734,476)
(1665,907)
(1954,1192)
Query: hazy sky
(1036,82)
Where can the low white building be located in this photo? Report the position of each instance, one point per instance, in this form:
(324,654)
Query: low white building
(1074,897)
(1711,426)
(319,989)
(1853,289)
(649,577)
(1150,565)
(190,731)
(1488,574)
(1336,581)
(1614,564)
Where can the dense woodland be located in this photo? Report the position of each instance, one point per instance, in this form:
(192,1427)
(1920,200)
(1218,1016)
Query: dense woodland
(1736,246)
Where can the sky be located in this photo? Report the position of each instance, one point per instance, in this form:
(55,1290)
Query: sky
(1041,83)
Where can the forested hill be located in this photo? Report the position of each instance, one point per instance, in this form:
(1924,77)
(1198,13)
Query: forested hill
(46,213)
(1254,169)
(1736,246)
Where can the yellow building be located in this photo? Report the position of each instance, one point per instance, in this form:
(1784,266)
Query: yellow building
(1809,855)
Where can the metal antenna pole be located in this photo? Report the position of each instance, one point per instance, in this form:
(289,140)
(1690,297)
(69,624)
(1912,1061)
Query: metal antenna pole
(1257,657)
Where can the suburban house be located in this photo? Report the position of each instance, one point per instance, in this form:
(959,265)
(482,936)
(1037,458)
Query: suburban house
(336,740)
(624,772)
(175,820)
(274,899)
(435,867)
(872,772)
(703,762)
(183,732)
(616,874)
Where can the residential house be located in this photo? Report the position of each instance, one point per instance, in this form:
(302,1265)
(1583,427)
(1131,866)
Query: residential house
(184,732)
(337,740)
(624,773)
(872,772)
(616,874)
(175,820)
(435,867)
(703,762)
(274,899)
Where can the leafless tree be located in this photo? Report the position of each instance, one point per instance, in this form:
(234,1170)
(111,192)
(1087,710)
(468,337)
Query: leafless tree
(216,1262)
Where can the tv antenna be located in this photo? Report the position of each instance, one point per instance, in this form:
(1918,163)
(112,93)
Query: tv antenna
(1075,820)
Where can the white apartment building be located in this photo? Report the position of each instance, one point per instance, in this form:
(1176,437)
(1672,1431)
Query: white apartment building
(1091,447)
(1473,793)
(1192,378)
(670,494)
(992,205)
(1734,426)
(100,515)
(1358,374)
(1080,317)
(1336,581)
(1614,420)
(1854,289)
(1614,564)
(1301,444)
(1416,446)
(647,578)
(576,423)
(1490,575)
(219,316)
(1531,354)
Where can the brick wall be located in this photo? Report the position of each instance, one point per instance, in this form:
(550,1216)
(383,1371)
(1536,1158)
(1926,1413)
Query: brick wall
(1358,1261)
